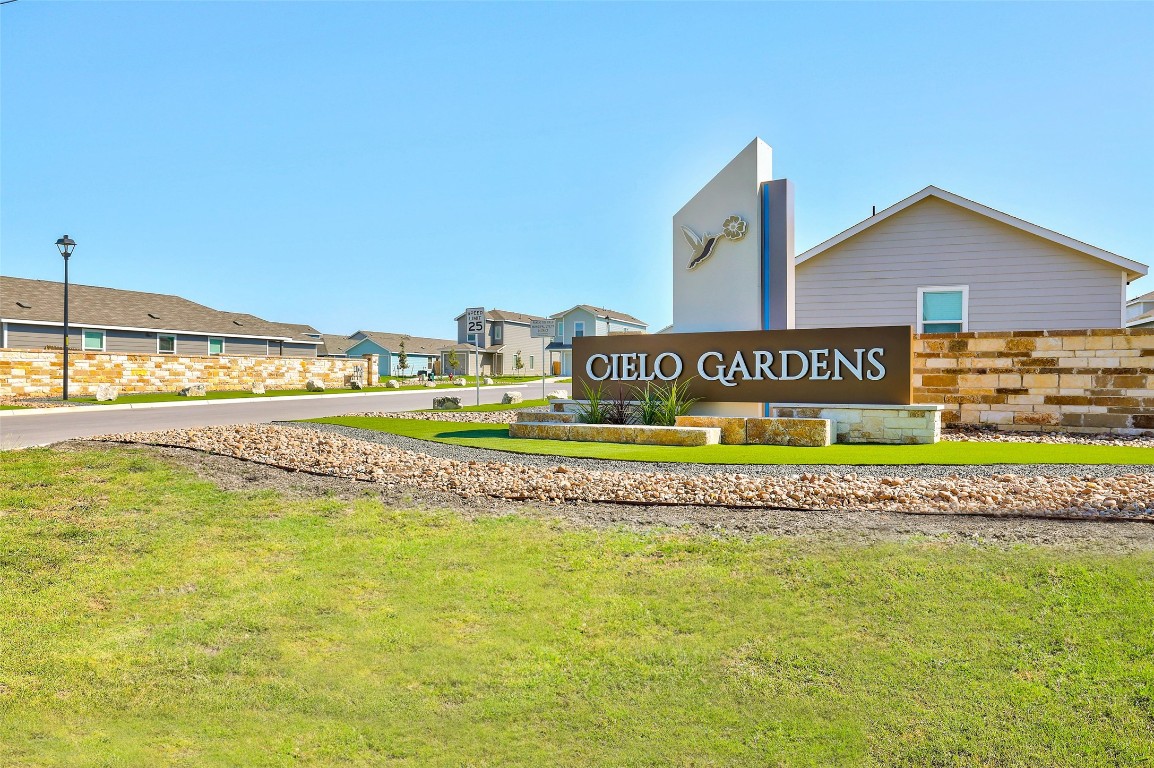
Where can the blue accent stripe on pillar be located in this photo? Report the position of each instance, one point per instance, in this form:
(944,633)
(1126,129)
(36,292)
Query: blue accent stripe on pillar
(765,267)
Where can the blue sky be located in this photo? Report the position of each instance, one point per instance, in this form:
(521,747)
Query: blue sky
(383,166)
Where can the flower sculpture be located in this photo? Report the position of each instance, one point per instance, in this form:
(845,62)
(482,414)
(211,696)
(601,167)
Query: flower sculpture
(733,228)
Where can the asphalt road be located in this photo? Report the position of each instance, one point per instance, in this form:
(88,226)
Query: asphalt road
(23,429)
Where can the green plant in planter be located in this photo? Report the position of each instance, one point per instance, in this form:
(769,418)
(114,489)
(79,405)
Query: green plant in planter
(620,410)
(659,405)
(593,410)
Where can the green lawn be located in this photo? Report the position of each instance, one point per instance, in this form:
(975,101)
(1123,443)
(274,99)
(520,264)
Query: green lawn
(149,618)
(12,407)
(497,437)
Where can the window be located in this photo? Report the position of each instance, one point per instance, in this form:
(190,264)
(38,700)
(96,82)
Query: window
(215,346)
(166,343)
(560,330)
(943,308)
(532,362)
(578,328)
(496,333)
(93,340)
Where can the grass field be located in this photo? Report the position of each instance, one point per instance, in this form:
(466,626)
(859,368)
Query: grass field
(497,437)
(12,408)
(149,618)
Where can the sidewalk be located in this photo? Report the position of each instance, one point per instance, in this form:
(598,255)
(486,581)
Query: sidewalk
(443,391)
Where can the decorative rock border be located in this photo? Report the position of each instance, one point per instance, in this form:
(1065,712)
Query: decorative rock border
(736,430)
(635,434)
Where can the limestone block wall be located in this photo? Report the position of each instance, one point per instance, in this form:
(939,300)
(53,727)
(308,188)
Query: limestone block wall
(1098,380)
(37,373)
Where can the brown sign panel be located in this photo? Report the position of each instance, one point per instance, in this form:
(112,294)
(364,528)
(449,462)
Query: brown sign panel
(818,365)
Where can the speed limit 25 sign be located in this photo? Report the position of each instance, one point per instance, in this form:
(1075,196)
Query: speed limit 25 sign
(475,321)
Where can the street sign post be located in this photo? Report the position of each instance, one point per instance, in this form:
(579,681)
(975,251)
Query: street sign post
(475,326)
(542,329)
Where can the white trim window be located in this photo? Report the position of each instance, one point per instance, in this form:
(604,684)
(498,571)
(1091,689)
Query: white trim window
(215,345)
(532,362)
(93,340)
(943,308)
(578,329)
(166,343)
(497,333)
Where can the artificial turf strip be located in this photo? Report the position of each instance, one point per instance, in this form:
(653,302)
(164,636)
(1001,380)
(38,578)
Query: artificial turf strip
(150,618)
(496,437)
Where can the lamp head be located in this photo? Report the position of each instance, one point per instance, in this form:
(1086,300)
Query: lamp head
(66,245)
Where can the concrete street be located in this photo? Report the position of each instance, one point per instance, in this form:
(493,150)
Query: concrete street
(23,429)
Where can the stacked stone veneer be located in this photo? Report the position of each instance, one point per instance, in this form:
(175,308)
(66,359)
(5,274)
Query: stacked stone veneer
(37,373)
(1098,380)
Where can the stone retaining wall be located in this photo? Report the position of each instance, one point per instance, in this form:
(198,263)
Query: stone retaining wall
(1098,380)
(38,373)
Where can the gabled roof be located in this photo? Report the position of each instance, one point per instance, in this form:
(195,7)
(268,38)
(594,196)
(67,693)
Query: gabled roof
(298,332)
(335,344)
(462,347)
(504,315)
(421,345)
(602,312)
(1133,269)
(1143,297)
(42,302)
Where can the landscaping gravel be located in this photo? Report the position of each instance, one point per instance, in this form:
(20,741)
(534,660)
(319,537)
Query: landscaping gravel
(927,471)
(324,450)
(850,526)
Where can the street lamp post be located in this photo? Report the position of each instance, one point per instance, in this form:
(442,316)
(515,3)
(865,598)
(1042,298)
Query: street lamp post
(66,245)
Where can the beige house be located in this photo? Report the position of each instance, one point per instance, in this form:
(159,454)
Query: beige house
(115,320)
(943,263)
(506,339)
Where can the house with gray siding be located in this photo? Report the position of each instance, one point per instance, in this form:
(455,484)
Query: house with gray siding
(587,320)
(115,320)
(942,263)
(506,338)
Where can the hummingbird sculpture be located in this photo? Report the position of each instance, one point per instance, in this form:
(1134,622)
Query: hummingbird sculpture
(733,228)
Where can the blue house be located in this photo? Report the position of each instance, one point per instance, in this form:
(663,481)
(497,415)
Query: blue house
(423,353)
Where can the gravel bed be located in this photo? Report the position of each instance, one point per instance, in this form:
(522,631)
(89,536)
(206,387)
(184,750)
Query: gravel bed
(973,435)
(1121,495)
(926,471)
(854,527)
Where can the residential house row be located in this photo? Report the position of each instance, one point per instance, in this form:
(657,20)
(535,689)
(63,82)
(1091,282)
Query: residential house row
(136,322)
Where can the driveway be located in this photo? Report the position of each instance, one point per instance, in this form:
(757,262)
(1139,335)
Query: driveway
(23,429)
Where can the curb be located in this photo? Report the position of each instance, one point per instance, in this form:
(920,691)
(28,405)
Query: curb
(229,401)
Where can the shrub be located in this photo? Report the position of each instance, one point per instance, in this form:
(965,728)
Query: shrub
(659,405)
(619,410)
(593,410)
